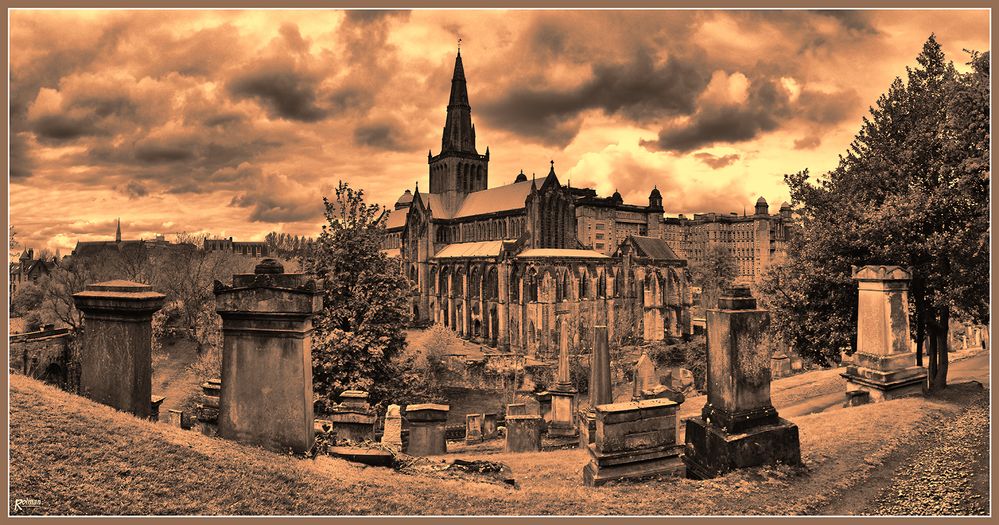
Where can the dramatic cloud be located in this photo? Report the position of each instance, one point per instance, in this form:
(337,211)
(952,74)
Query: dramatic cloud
(237,122)
(716,162)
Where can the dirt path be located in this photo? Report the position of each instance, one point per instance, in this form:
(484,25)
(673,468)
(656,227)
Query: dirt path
(171,376)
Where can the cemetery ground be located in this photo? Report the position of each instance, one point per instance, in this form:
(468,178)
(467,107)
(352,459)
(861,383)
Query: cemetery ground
(914,455)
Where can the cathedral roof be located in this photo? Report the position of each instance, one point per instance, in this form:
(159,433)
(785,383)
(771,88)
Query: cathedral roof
(653,248)
(562,252)
(493,200)
(471,249)
(396,218)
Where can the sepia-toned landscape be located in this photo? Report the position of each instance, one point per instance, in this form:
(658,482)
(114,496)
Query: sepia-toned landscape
(655,262)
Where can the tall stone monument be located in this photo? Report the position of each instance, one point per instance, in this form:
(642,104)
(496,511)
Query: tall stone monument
(116,365)
(563,394)
(267,357)
(738,427)
(600,385)
(884,364)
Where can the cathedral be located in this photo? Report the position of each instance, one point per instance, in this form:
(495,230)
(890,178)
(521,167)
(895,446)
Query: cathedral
(504,265)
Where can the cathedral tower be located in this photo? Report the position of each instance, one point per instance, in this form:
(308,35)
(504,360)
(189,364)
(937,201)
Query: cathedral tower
(458,169)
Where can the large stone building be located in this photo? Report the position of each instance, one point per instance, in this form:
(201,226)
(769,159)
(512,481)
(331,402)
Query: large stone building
(496,264)
(248,248)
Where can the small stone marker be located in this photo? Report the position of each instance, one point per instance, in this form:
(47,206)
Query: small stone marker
(780,365)
(427,423)
(473,428)
(489,425)
(392,434)
(884,364)
(175,418)
(516,409)
(646,384)
(116,350)
(154,407)
(738,427)
(353,420)
(523,433)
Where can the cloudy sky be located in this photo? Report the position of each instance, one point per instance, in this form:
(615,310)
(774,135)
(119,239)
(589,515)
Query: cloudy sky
(237,122)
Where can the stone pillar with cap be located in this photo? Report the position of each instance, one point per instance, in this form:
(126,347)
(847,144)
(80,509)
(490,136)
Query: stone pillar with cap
(267,357)
(563,394)
(600,385)
(738,427)
(884,364)
(116,356)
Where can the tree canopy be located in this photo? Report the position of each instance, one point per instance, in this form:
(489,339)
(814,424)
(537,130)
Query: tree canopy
(912,190)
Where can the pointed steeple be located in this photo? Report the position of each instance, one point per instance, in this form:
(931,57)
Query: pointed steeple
(459,134)
(117,233)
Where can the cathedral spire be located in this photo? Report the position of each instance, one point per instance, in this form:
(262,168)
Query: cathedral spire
(117,233)
(459,135)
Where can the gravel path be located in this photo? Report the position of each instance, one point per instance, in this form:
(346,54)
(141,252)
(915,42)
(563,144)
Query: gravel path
(948,475)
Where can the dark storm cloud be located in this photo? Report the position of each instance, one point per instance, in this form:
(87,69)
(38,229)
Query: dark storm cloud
(853,20)
(809,142)
(828,108)
(277,198)
(366,16)
(714,123)
(715,162)
(385,135)
(20,157)
(641,90)
(286,92)
(135,189)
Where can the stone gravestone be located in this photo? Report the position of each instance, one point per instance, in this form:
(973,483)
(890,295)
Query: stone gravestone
(634,440)
(738,427)
(646,383)
(516,409)
(563,394)
(392,434)
(884,364)
(600,385)
(267,348)
(116,366)
(523,433)
(175,418)
(353,419)
(473,428)
(427,424)
(489,425)
(780,365)
(207,411)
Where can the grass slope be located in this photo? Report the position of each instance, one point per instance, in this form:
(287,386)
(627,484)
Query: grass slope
(79,457)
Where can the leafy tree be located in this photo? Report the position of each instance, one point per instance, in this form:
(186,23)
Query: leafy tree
(360,328)
(713,273)
(12,242)
(913,191)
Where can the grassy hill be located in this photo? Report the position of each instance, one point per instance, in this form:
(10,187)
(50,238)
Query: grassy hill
(79,457)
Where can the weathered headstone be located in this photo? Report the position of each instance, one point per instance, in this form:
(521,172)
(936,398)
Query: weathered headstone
(116,366)
(352,419)
(738,427)
(516,409)
(523,433)
(473,428)
(392,434)
(646,383)
(427,424)
(267,348)
(175,418)
(780,365)
(489,425)
(884,364)
(634,440)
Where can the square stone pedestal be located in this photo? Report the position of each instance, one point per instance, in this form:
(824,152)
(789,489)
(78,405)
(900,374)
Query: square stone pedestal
(563,414)
(634,441)
(353,426)
(587,424)
(426,429)
(523,433)
(711,451)
(885,377)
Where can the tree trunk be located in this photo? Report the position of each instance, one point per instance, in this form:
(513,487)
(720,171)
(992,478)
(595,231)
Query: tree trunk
(942,350)
(920,323)
(932,354)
